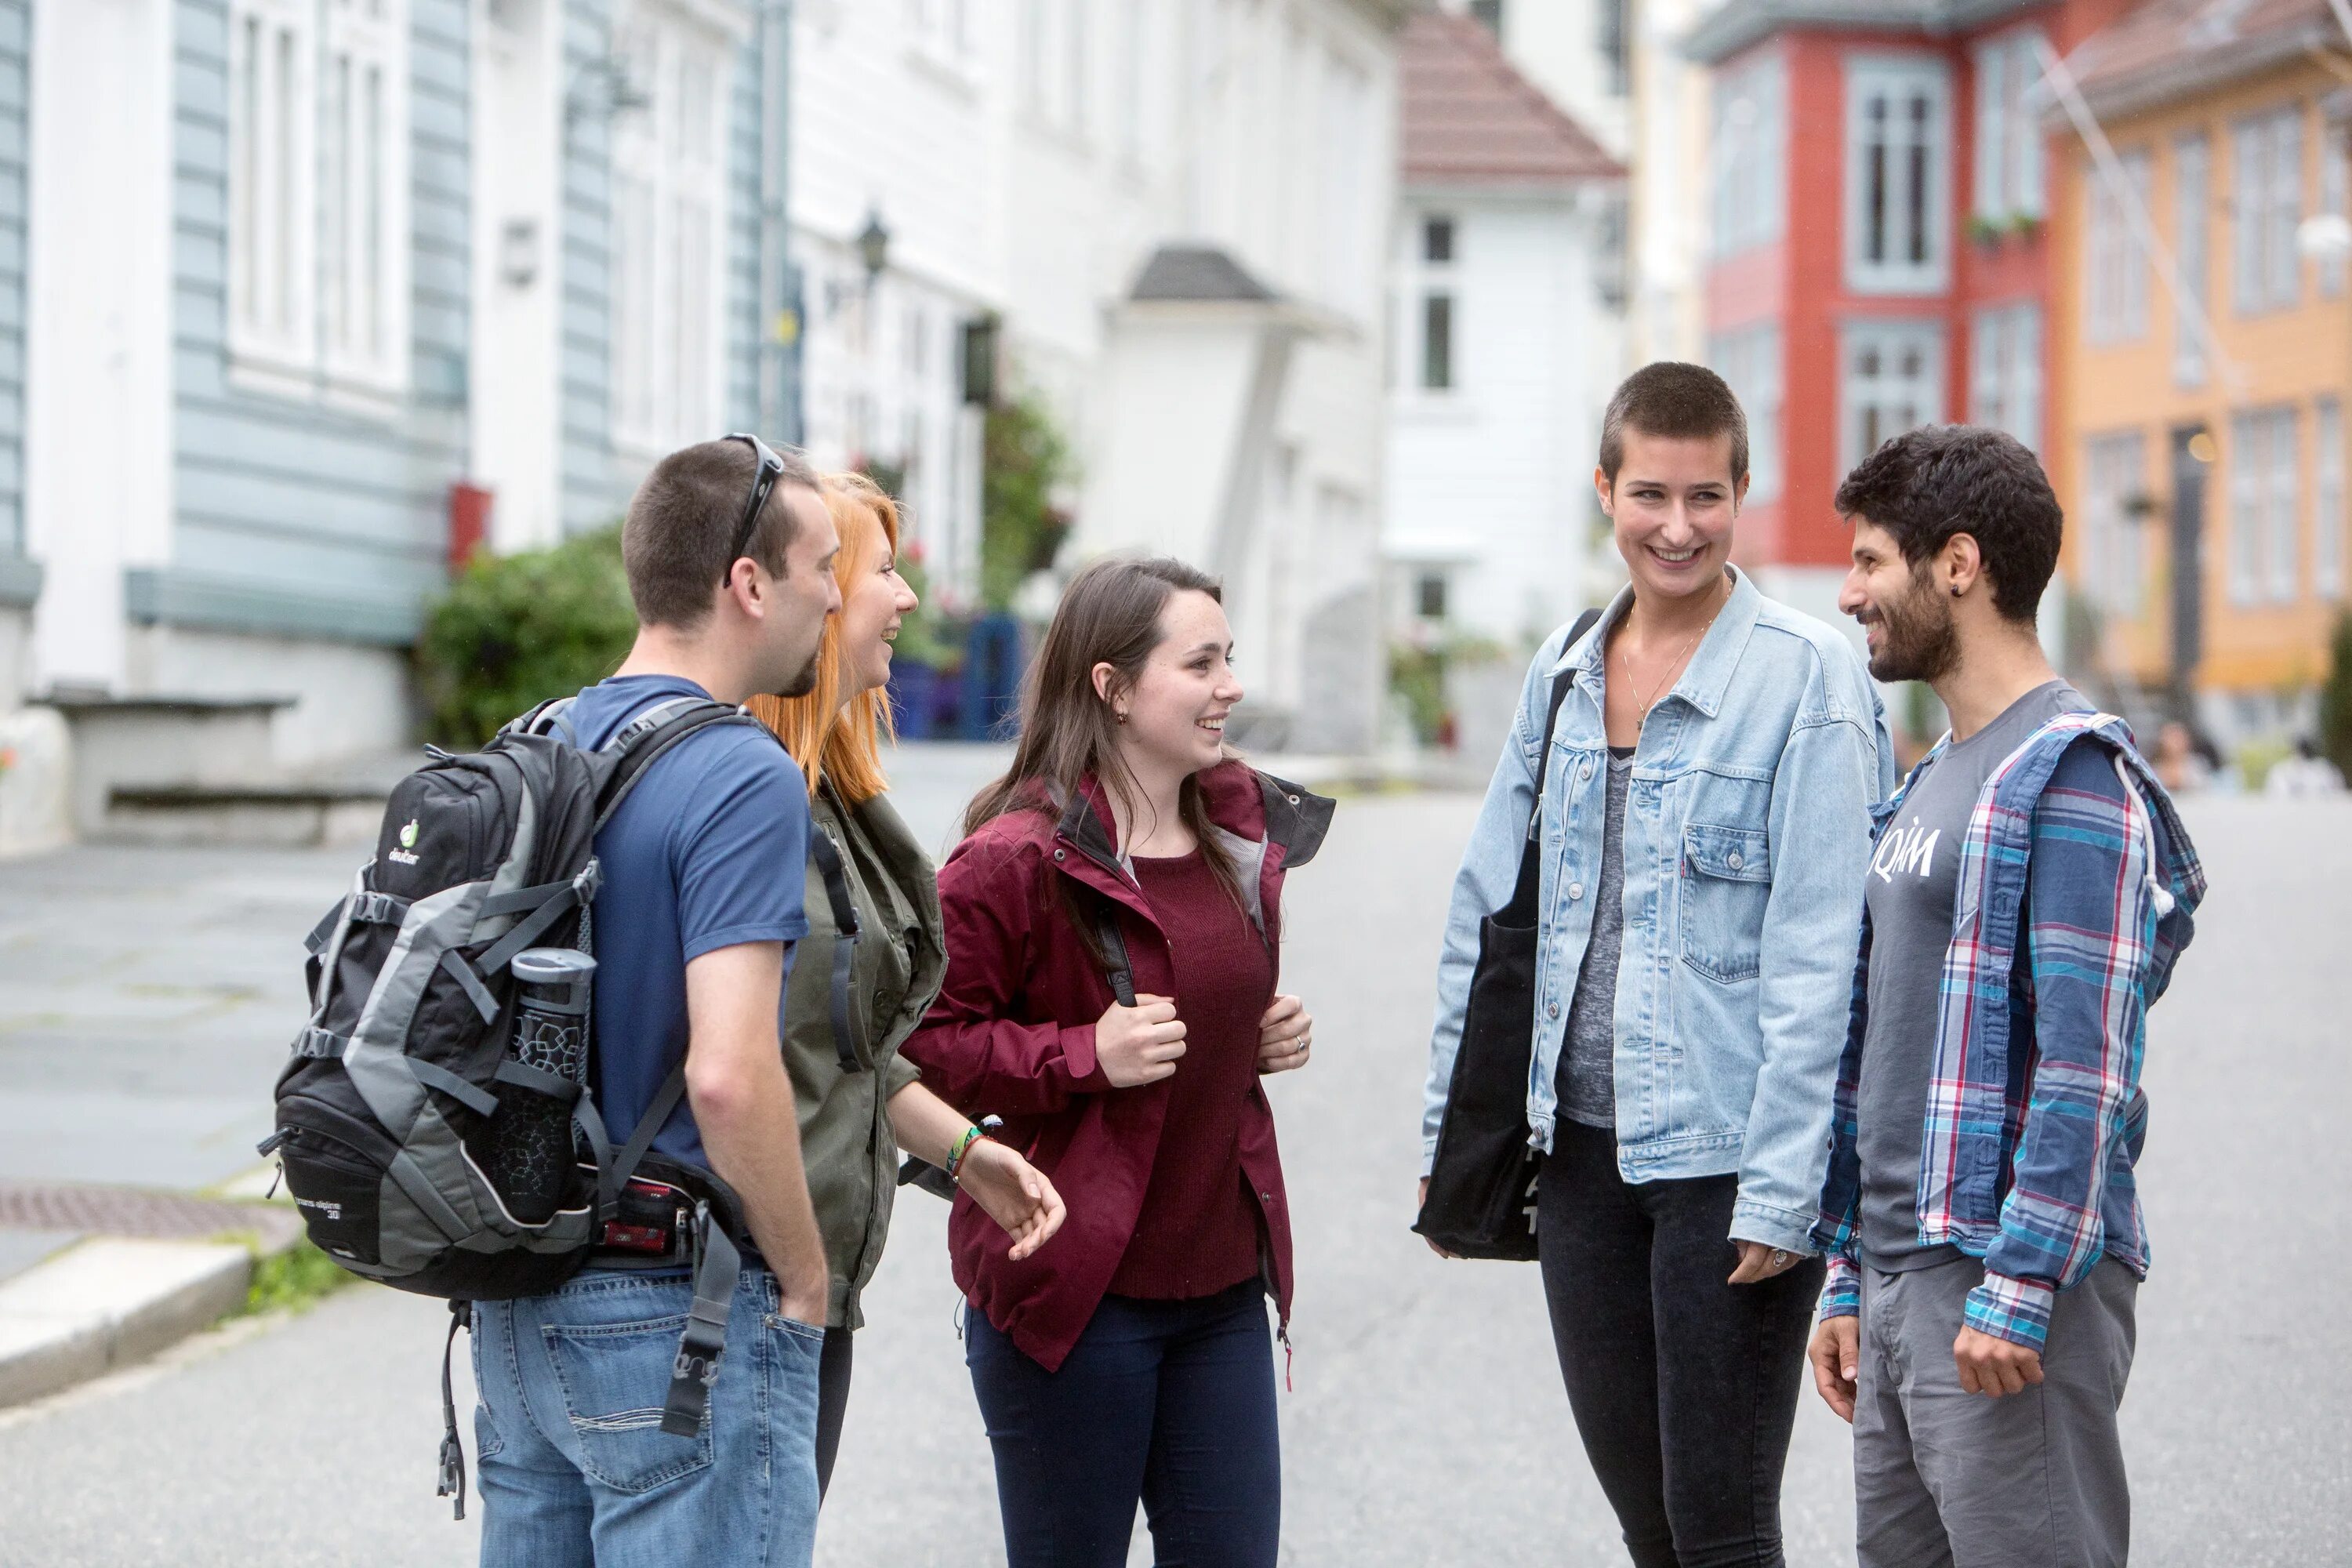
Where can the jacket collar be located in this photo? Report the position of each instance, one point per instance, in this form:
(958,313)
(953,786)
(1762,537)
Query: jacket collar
(1250,805)
(1707,677)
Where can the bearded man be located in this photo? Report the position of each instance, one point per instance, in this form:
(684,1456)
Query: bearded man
(2030,890)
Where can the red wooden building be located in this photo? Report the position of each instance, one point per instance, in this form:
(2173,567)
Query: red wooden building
(1878,260)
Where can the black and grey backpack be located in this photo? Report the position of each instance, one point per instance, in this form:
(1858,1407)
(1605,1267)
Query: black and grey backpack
(401,1114)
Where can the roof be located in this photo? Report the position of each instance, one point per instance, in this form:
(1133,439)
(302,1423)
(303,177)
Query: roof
(2169,49)
(1471,119)
(1735,24)
(1197,272)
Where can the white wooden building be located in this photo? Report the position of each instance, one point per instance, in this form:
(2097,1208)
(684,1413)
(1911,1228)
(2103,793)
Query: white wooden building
(1509,340)
(1175,209)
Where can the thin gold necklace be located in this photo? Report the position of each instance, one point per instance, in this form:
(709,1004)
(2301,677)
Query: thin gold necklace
(1674,665)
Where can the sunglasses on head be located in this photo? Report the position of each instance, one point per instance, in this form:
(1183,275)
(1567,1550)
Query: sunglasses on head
(772,468)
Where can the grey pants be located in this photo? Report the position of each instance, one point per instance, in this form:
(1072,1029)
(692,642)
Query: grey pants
(1948,1480)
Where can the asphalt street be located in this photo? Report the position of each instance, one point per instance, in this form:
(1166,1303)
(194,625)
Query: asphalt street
(1426,1423)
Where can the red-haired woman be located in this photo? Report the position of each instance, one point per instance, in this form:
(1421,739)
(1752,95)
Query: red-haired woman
(859,1100)
(1113,925)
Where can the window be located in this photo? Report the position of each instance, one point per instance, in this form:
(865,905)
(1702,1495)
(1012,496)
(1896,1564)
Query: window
(1897,174)
(2266,208)
(1079,63)
(2192,168)
(2008,128)
(1437,239)
(1891,381)
(1746,157)
(1490,12)
(318,177)
(2334,176)
(2328,498)
(1429,595)
(1749,360)
(669,284)
(1609,252)
(2115,276)
(1134,26)
(2263,497)
(2005,371)
(1609,43)
(2114,487)
(1032,45)
(1436,341)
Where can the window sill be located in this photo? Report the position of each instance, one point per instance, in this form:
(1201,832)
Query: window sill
(309,385)
(959,77)
(1885,285)
(1440,409)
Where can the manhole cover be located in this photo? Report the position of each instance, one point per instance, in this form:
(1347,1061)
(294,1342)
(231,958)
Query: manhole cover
(131,1211)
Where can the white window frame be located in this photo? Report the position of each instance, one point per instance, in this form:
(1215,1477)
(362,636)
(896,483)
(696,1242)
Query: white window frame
(1749,359)
(272,184)
(2009,153)
(1898,81)
(1892,397)
(1434,279)
(363,200)
(2327,514)
(670,184)
(2265,472)
(2115,474)
(2335,199)
(1747,160)
(2115,271)
(2193,251)
(2005,370)
(2265,209)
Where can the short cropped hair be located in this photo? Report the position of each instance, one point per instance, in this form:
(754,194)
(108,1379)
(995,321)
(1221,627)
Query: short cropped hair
(1678,402)
(1927,485)
(682,523)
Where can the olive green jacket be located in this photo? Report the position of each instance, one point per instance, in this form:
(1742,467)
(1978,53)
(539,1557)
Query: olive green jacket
(846,1146)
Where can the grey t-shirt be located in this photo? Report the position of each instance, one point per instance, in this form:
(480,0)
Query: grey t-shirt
(1588,1079)
(1913,886)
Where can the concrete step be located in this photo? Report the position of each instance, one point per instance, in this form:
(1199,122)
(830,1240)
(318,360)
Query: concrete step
(271,815)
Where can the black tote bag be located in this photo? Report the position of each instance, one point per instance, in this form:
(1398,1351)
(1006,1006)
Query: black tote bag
(1482,1187)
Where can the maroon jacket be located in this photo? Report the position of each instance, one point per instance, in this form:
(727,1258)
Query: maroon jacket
(1013,1035)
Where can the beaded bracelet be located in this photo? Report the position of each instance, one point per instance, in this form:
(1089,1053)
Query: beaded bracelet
(955,1161)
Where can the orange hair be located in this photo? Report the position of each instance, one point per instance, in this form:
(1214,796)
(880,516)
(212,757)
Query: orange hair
(829,738)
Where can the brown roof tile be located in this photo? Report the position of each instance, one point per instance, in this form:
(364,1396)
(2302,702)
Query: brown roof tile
(1471,119)
(2170,49)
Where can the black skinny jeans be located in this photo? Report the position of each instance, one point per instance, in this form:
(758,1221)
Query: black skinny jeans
(1683,1387)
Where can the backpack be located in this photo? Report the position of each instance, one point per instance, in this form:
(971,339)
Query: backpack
(402,1082)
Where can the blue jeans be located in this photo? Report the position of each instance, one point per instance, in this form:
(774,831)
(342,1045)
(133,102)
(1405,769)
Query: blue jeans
(1168,1402)
(576,1471)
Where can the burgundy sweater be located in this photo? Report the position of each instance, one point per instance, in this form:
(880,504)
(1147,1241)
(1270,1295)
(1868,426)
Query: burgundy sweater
(1198,1233)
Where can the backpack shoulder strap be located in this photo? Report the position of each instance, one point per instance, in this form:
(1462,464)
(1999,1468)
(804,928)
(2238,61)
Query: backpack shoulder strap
(826,854)
(1560,688)
(637,744)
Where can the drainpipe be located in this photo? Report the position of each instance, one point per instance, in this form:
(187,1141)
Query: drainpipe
(780,283)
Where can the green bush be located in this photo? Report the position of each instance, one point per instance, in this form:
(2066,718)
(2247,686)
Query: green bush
(514,630)
(1024,457)
(2335,698)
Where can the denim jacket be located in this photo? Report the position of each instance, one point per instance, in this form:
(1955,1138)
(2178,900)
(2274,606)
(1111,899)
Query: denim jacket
(2078,888)
(1746,838)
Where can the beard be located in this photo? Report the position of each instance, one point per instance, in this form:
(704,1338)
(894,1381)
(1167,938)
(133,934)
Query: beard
(805,681)
(1917,640)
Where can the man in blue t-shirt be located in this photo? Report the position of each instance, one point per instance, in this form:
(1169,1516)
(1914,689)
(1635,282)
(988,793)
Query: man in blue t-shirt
(730,556)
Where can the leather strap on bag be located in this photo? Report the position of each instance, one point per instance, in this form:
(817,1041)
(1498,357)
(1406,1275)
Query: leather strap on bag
(828,855)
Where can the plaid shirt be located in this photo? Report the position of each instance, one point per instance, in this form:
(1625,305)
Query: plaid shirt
(2077,888)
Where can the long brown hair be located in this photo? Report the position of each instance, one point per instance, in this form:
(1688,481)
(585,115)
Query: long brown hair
(1109,615)
(829,738)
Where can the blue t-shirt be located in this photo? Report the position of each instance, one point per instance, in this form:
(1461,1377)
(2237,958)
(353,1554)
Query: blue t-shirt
(709,850)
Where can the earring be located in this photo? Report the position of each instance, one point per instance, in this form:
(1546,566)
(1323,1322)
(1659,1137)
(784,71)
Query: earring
(1955,590)
(1122,715)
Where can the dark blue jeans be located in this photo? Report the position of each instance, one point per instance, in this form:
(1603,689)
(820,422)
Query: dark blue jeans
(1171,1403)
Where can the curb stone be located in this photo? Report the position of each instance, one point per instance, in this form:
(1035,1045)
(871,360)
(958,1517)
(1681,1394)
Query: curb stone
(109,1302)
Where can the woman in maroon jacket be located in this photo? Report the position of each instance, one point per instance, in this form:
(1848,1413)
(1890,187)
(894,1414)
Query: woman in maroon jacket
(1113,924)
